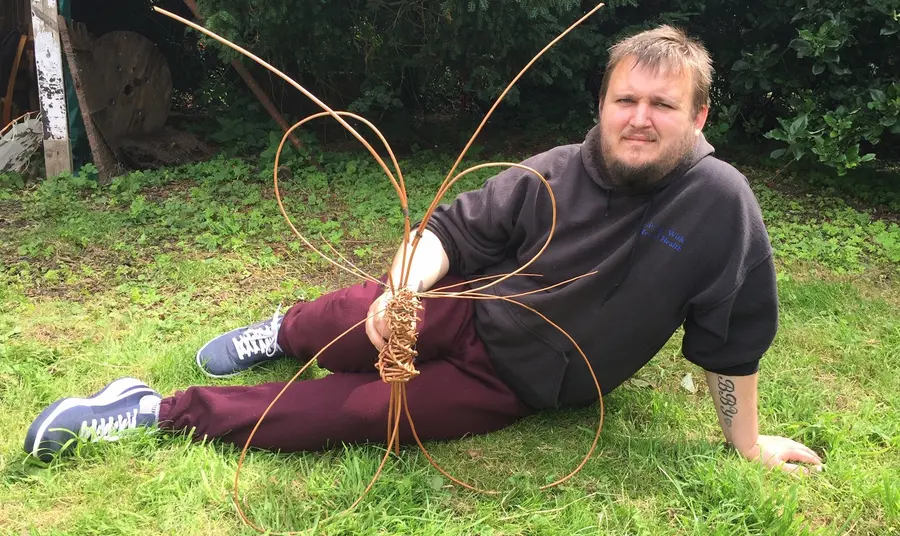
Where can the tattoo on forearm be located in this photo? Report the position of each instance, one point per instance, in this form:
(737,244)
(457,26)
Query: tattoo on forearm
(727,400)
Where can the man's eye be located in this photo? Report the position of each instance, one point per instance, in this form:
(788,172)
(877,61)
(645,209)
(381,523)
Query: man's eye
(663,105)
(626,100)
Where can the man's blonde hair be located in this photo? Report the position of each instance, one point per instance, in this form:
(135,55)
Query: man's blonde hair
(665,49)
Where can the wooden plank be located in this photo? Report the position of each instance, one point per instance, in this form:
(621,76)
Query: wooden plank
(107,166)
(51,88)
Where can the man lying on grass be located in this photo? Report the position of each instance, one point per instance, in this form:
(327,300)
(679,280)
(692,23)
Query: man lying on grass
(675,236)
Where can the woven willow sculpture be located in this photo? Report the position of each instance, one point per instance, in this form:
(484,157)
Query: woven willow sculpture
(396,360)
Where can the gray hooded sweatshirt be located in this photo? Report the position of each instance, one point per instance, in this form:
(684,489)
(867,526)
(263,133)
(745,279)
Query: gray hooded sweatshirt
(692,251)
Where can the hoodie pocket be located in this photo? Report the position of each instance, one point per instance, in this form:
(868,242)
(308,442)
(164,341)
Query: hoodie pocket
(532,365)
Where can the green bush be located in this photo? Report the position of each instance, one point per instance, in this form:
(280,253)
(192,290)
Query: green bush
(817,77)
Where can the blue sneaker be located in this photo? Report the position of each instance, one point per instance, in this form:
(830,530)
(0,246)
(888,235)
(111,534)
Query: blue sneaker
(124,405)
(242,348)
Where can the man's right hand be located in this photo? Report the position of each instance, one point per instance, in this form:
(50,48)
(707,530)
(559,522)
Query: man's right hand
(377,325)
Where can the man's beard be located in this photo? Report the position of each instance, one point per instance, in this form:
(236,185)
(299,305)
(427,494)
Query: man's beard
(626,178)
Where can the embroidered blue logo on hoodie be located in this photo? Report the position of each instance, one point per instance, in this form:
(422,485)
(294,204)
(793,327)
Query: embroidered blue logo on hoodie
(669,237)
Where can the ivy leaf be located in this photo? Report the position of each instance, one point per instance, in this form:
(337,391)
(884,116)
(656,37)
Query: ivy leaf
(801,46)
(839,71)
(818,69)
(798,125)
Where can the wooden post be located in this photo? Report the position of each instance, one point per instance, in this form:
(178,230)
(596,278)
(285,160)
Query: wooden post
(107,165)
(51,88)
(254,87)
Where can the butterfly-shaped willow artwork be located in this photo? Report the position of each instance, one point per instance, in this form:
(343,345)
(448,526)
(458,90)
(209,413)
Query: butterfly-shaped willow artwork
(396,359)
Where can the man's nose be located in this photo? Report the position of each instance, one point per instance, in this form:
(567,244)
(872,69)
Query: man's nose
(641,116)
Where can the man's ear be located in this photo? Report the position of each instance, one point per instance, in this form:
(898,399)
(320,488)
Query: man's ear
(700,119)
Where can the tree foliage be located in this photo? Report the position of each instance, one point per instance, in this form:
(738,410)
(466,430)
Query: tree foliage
(820,78)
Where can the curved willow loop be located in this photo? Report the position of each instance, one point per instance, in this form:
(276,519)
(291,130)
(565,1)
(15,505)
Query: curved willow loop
(443,189)
(552,217)
(237,473)
(400,187)
(401,192)
(590,369)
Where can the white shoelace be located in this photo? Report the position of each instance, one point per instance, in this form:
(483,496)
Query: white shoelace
(262,338)
(107,428)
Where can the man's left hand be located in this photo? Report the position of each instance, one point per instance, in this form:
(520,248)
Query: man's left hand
(781,452)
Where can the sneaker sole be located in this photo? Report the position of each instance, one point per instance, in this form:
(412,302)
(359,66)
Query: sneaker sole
(117,390)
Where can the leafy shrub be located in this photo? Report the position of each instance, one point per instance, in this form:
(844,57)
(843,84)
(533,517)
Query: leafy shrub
(819,77)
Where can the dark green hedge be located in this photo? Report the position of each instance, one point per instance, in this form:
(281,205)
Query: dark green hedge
(821,77)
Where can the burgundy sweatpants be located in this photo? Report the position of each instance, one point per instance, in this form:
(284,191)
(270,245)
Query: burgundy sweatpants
(457,392)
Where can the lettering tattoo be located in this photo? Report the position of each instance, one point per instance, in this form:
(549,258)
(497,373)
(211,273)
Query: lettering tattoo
(727,400)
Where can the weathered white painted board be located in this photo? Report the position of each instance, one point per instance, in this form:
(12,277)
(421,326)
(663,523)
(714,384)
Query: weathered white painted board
(19,142)
(51,89)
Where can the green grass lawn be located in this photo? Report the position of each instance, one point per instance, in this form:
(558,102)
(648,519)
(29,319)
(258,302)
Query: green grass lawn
(131,280)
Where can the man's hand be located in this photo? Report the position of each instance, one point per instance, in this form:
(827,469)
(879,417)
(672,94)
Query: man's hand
(735,400)
(377,325)
(779,452)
